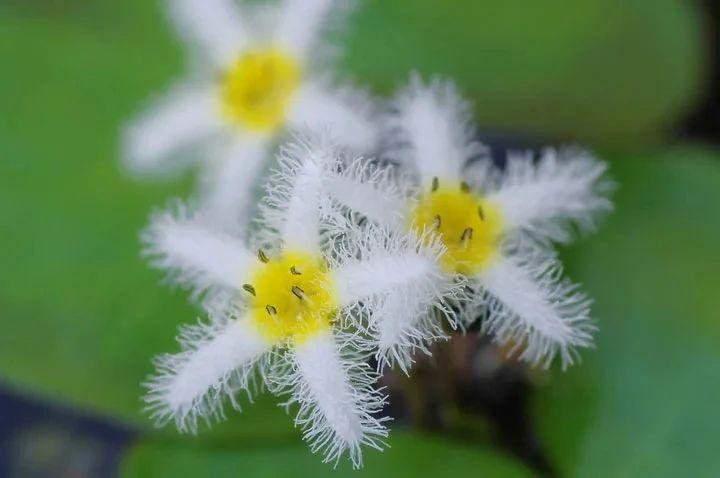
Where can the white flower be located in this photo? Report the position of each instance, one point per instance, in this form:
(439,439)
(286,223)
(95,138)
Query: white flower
(484,219)
(255,72)
(406,264)
(292,307)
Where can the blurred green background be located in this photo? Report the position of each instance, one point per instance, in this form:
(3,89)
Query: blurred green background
(81,315)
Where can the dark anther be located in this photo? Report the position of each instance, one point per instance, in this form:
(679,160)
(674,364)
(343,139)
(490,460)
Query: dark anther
(262,256)
(464,187)
(481,213)
(435,184)
(298,292)
(467,234)
(270,309)
(294,271)
(437,222)
(249,288)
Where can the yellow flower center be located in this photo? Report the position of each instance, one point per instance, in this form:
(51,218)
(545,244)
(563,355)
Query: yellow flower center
(291,297)
(467,224)
(258,88)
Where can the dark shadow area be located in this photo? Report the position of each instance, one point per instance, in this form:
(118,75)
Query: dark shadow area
(43,440)
(471,392)
(704,123)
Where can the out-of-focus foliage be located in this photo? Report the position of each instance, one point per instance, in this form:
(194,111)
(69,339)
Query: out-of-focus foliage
(81,315)
(645,402)
(410,455)
(601,71)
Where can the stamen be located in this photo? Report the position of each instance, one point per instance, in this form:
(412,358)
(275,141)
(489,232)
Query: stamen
(466,235)
(262,256)
(257,90)
(288,305)
(437,222)
(463,218)
(298,292)
(435,184)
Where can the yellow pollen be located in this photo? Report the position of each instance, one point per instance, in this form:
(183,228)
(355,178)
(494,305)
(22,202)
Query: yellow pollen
(468,225)
(291,297)
(258,88)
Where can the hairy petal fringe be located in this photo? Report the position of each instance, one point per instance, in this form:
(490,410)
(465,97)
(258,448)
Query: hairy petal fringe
(193,254)
(218,360)
(338,406)
(529,306)
(401,278)
(296,209)
(372,192)
(430,128)
(564,191)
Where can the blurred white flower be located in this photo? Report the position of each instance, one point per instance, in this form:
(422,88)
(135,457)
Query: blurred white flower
(495,226)
(293,307)
(256,70)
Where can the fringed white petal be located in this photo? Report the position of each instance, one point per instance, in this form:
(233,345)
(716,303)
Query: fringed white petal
(566,189)
(348,114)
(370,191)
(230,181)
(379,261)
(217,361)
(302,224)
(430,128)
(195,254)
(301,23)
(180,120)
(403,325)
(399,281)
(338,405)
(530,307)
(293,207)
(368,278)
(214,26)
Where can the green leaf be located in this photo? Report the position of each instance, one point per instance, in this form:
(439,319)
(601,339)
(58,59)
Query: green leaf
(595,70)
(409,456)
(644,403)
(81,316)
